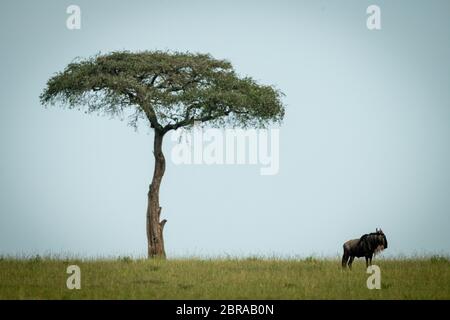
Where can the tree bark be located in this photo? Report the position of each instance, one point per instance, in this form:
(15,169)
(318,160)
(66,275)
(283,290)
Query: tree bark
(155,227)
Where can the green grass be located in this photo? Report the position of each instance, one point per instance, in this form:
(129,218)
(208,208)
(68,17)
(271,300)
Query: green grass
(252,278)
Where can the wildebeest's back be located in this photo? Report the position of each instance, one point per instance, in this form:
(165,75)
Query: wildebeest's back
(353,248)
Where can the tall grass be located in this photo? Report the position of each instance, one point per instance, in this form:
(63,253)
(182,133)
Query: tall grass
(223,278)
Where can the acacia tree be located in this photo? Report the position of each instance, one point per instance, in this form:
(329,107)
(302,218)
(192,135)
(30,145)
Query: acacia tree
(171,91)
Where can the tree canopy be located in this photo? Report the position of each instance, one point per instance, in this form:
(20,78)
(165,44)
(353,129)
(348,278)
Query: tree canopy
(170,89)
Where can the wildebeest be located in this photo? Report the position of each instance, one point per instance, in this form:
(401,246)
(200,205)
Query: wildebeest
(366,246)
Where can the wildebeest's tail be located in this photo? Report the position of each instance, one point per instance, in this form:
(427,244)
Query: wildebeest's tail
(345,257)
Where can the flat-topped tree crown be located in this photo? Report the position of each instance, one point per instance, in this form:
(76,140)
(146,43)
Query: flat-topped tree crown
(171,90)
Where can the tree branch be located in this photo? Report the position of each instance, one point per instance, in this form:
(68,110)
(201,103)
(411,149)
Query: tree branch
(189,121)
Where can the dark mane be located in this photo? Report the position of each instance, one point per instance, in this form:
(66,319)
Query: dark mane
(370,242)
(365,236)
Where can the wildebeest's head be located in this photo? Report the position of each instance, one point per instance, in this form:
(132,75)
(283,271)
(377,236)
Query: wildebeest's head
(381,240)
(373,242)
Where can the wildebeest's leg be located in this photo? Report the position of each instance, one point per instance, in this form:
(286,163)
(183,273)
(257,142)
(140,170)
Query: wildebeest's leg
(350,262)
(370,260)
(367,261)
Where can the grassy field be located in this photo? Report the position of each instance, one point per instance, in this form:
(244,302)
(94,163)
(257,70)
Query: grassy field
(252,278)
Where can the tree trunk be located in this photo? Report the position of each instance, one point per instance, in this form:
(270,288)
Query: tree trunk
(154,225)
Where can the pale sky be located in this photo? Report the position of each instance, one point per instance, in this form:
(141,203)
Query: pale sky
(364,144)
